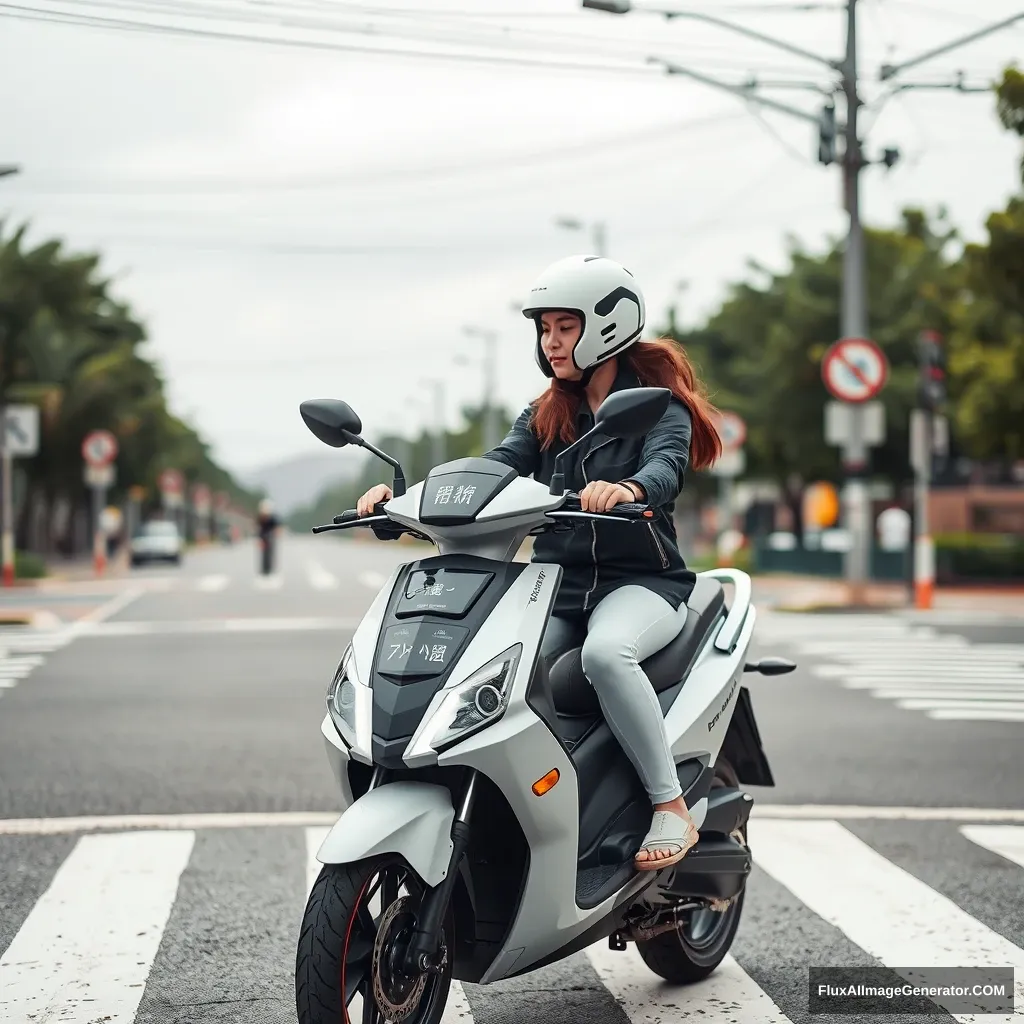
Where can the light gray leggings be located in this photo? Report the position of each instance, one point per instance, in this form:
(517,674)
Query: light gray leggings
(629,625)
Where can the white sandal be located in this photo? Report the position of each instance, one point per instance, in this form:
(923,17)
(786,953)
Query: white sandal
(668,831)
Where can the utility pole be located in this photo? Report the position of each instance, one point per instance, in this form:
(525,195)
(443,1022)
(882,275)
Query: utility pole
(439,446)
(490,412)
(854,311)
(6,474)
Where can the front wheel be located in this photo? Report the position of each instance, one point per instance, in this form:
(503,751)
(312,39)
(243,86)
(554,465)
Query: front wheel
(348,963)
(694,951)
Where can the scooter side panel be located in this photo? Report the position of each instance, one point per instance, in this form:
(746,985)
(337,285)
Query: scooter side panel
(699,718)
(412,819)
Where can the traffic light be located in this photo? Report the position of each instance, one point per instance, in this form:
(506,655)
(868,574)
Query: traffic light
(827,134)
(932,369)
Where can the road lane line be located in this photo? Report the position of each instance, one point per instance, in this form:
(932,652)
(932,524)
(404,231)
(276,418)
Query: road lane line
(1005,840)
(888,912)
(299,819)
(218,627)
(86,949)
(315,835)
(273,582)
(373,580)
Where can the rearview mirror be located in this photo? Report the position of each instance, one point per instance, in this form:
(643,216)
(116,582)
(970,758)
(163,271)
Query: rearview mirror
(331,421)
(632,413)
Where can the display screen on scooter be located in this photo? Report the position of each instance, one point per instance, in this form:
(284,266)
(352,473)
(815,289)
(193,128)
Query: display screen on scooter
(419,649)
(441,592)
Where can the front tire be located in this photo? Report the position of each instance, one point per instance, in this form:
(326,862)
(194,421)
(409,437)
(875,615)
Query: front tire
(693,952)
(340,942)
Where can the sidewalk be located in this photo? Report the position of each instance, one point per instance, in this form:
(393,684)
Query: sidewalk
(811,593)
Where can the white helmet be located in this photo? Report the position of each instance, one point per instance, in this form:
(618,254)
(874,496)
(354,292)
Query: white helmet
(603,294)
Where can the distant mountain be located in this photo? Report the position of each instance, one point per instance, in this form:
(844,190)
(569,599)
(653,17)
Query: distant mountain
(298,481)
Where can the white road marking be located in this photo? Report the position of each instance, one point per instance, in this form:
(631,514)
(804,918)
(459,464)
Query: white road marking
(1005,840)
(105,611)
(730,995)
(373,580)
(272,582)
(85,951)
(314,839)
(885,910)
(300,819)
(222,627)
(212,584)
(947,677)
(319,578)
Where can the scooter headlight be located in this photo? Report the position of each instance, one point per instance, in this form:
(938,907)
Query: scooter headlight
(341,699)
(477,702)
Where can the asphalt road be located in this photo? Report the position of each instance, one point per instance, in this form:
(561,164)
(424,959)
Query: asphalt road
(200,690)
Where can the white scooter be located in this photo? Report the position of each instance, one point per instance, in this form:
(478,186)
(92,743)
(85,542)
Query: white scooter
(490,817)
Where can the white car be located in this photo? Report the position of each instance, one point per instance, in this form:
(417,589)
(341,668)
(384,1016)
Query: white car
(157,541)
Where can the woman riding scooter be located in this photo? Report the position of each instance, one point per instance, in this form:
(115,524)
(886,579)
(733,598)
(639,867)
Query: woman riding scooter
(626,588)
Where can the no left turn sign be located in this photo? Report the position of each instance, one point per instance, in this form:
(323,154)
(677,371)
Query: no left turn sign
(732,430)
(99,448)
(854,370)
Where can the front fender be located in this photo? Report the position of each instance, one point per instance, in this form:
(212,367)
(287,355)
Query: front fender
(412,819)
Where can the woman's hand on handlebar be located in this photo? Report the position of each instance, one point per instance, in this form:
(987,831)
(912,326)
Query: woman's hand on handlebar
(374,496)
(600,496)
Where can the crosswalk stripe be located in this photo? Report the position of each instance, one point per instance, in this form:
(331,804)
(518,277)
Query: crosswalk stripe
(952,704)
(85,950)
(1005,840)
(728,996)
(212,584)
(975,714)
(319,578)
(885,910)
(273,582)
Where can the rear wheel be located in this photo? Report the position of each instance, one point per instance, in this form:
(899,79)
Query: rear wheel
(348,964)
(692,952)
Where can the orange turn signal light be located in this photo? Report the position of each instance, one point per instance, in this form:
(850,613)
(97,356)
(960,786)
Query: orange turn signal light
(546,784)
(648,514)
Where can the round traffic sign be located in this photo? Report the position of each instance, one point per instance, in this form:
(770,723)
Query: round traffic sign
(732,430)
(854,370)
(171,482)
(99,448)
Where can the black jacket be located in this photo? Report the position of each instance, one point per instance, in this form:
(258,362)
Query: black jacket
(598,557)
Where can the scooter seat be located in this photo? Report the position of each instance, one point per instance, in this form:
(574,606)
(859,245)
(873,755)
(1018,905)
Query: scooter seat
(571,691)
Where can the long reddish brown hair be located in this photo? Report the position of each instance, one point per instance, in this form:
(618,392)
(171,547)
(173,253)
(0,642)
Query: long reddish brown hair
(657,364)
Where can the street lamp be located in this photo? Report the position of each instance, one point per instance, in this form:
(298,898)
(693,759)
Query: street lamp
(597,230)
(490,424)
(6,169)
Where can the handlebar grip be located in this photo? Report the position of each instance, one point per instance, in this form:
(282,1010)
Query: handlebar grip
(351,514)
(625,508)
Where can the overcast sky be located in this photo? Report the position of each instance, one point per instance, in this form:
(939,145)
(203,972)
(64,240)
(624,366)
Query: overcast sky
(324,220)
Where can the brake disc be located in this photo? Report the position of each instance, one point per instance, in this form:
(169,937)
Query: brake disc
(396,997)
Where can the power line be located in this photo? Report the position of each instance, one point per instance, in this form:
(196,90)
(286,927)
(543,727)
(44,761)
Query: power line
(176,186)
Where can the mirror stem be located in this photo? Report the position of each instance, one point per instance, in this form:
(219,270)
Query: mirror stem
(398,487)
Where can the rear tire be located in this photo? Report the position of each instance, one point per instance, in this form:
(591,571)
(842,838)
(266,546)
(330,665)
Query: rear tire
(335,943)
(693,952)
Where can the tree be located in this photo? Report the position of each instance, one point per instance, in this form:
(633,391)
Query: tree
(69,347)
(986,360)
(761,352)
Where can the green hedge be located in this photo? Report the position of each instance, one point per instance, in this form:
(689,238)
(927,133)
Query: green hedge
(979,556)
(28,566)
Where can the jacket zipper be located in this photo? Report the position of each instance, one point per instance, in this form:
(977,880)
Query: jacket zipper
(657,544)
(593,525)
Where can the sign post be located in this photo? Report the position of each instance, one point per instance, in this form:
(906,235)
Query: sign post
(172,495)
(19,438)
(733,432)
(99,449)
(201,510)
(854,371)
